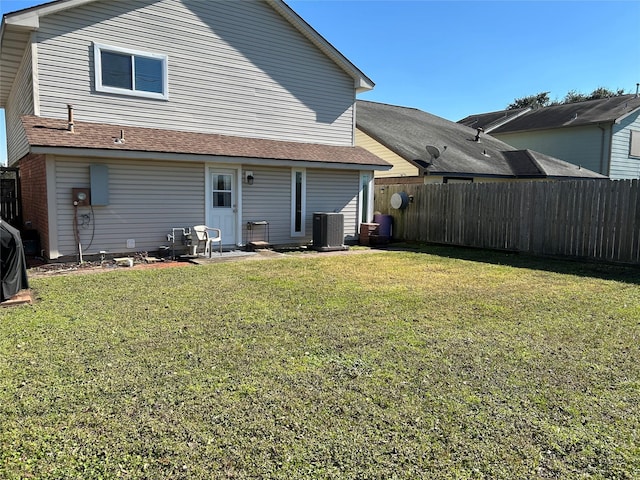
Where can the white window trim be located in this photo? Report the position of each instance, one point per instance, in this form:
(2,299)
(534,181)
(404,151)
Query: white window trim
(97,58)
(634,143)
(370,197)
(295,171)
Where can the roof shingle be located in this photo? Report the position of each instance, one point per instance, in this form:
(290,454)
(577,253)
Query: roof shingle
(49,132)
(407,132)
(603,110)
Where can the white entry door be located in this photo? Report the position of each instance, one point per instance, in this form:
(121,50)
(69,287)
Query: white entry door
(223,204)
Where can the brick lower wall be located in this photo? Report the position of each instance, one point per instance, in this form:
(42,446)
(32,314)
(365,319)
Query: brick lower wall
(33,185)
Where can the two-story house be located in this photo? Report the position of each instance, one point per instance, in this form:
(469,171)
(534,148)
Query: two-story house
(128,119)
(602,135)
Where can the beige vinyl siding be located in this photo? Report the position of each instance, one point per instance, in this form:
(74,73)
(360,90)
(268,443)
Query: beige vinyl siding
(581,146)
(235,68)
(20,103)
(401,167)
(146,199)
(623,165)
(333,191)
(269,199)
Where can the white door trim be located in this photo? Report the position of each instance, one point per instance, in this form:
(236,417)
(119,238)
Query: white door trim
(209,168)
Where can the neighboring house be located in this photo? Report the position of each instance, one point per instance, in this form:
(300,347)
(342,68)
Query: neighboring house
(424,148)
(184,112)
(601,135)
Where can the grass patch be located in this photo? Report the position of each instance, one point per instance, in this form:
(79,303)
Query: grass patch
(390,365)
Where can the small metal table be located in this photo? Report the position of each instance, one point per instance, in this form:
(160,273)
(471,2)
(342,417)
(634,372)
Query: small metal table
(251,227)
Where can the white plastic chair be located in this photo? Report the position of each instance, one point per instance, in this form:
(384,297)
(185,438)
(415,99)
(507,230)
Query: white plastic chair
(204,235)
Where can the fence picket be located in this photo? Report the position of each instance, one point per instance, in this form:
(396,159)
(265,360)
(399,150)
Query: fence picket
(585,219)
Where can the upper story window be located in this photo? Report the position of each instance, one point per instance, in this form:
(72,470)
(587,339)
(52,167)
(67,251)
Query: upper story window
(130,72)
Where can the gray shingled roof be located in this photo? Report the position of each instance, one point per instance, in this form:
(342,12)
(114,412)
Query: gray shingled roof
(407,132)
(604,110)
(488,121)
(53,133)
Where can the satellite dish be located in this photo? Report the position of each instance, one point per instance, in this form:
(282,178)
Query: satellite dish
(433,151)
(399,201)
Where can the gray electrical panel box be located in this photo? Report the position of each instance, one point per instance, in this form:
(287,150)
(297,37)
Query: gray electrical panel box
(99,175)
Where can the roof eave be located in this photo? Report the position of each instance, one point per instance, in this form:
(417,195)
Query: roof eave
(574,177)
(619,119)
(191,157)
(26,21)
(556,127)
(488,129)
(439,173)
(8,63)
(362,83)
(30,17)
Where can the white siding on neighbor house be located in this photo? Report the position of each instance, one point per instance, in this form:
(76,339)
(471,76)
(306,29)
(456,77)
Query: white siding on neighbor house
(146,199)
(269,199)
(20,103)
(235,68)
(583,146)
(623,165)
(401,167)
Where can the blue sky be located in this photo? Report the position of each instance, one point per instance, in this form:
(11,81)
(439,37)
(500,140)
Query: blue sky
(456,58)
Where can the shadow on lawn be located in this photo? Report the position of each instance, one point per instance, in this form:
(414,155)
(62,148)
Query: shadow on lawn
(584,268)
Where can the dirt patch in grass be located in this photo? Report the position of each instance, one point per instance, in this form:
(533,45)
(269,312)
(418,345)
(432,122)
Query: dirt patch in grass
(95,267)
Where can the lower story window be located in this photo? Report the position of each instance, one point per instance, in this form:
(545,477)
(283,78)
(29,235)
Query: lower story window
(298,202)
(365,197)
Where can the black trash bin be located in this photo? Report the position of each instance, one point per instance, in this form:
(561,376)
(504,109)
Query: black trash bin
(13,266)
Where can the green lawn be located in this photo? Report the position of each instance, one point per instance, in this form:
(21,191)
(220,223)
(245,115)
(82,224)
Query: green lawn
(438,364)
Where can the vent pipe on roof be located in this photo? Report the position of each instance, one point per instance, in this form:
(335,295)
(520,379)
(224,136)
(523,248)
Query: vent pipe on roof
(121,139)
(637,87)
(70,116)
(480,130)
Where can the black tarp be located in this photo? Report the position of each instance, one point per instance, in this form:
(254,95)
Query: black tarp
(13,266)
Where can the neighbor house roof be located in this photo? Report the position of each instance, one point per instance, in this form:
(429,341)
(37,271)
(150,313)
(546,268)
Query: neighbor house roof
(491,121)
(49,135)
(408,131)
(16,27)
(604,110)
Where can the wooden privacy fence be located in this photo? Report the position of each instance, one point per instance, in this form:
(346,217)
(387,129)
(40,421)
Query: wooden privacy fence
(598,219)
(10,196)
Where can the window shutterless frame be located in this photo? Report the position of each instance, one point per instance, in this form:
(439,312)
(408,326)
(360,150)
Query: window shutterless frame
(365,197)
(298,202)
(130,72)
(634,143)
